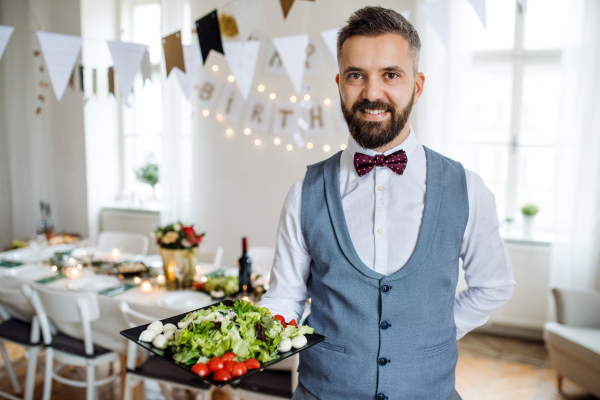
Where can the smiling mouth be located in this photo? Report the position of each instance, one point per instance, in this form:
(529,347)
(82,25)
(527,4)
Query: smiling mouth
(373,112)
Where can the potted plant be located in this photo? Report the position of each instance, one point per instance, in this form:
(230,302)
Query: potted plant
(529,211)
(148,174)
(179,250)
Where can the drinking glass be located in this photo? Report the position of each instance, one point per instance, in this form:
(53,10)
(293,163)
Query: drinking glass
(181,272)
(38,244)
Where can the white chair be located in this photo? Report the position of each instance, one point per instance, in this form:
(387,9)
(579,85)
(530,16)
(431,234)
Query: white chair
(262,260)
(213,258)
(20,326)
(58,307)
(154,368)
(127,242)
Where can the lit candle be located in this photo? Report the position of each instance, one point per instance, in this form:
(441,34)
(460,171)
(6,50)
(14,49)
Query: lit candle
(246,298)
(54,268)
(79,266)
(137,280)
(115,255)
(73,273)
(160,280)
(204,279)
(146,287)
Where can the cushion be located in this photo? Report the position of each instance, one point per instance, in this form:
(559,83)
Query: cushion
(16,331)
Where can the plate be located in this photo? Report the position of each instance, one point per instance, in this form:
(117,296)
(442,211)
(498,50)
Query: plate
(94,283)
(184,301)
(29,272)
(134,333)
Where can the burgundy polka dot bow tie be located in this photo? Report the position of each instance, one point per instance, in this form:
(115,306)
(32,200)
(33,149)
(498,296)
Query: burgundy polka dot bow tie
(395,161)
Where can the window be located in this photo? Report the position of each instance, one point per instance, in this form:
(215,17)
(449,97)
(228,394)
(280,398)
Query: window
(513,91)
(142,117)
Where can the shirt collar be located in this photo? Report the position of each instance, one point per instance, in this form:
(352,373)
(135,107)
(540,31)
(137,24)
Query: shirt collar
(408,145)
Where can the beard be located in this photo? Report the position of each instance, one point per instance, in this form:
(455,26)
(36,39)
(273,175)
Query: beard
(376,134)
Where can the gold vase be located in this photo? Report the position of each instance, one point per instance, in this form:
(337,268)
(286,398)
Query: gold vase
(175,258)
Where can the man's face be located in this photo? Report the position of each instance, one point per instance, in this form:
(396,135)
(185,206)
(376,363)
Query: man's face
(377,87)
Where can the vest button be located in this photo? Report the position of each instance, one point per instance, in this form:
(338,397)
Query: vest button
(384,325)
(383,361)
(381,396)
(385,288)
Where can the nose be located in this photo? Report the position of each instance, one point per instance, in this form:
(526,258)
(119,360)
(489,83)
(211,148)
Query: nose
(372,90)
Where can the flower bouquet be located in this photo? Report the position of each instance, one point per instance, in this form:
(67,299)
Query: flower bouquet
(179,250)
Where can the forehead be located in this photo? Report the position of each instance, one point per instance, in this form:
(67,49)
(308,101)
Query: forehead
(377,52)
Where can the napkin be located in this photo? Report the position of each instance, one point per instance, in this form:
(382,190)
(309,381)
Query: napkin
(52,278)
(9,264)
(115,290)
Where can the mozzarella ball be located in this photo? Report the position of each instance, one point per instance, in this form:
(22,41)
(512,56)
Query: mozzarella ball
(160,341)
(285,345)
(217,294)
(156,326)
(169,334)
(299,341)
(147,335)
(168,327)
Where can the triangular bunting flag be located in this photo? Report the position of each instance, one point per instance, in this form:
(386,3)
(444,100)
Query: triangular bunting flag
(146,66)
(292,51)
(250,17)
(437,13)
(522,4)
(209,34)
(330,38)
(173,52)
(127,58)
(187,79)
(242,63)
(479,7)
(111,81)
(60,52)
(5,32)
(286,5)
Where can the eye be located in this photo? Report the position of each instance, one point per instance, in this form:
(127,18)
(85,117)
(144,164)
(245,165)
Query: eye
(354,76)
(391,75)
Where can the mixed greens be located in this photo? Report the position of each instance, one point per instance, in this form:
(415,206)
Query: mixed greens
(223,285)
(244,329)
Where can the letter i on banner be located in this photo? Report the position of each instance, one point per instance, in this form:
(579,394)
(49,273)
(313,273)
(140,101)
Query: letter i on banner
(285,118)
(231,104)
(208,90)
(258,114)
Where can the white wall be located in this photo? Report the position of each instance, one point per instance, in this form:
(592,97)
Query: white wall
(244,197)
(43,155)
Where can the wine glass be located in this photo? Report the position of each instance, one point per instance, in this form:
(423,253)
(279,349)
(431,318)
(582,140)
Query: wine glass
(181,272)
(38,244)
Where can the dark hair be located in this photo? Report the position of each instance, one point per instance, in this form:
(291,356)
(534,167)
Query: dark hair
(377,21)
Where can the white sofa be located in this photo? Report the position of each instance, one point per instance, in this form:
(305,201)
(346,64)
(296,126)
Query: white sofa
(574,340)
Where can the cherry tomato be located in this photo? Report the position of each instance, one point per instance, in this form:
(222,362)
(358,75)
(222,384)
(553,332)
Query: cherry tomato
(222,376)
(201,369)
(215,364)
(252,363)
(293,323)
(228,357)
(229,366)
(284,325)
(280,318)
(238,370)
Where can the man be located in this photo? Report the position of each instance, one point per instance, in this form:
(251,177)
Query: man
(374,234)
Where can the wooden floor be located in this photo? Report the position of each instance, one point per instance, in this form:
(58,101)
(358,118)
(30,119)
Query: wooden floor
(489,368)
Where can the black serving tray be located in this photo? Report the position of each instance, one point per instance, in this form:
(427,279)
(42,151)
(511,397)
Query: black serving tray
(134,333)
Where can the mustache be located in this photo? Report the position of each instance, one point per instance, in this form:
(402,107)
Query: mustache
(365,104)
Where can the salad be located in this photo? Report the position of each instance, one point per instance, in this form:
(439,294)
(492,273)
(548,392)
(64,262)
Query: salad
(221,286)
(227,340)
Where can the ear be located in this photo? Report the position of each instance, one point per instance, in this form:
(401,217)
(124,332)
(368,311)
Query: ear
(419,83)
(337,80)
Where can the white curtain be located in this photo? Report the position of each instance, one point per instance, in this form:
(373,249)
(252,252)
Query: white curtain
(175,165)
(576,250)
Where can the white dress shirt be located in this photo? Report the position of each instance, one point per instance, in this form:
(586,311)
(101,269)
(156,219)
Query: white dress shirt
(385,238)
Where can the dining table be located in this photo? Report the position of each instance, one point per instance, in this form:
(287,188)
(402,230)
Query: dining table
(24,266)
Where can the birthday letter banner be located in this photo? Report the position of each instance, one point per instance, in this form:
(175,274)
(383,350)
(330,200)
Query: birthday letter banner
(60,53)
(330,38)
(5,33)
(127,58)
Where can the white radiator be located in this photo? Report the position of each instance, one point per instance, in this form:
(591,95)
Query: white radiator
(136,221)
(528,307)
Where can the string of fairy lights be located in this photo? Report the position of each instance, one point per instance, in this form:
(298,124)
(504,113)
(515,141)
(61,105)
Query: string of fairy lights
(229,131)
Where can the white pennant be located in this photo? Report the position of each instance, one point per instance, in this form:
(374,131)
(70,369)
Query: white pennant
(60,53)
(126,58)
(480,10)
(146,67)
(5,32)
(250,17)
(292,51)
(523,4)
(242,58)
(330,38)
(193,61)
(438,14)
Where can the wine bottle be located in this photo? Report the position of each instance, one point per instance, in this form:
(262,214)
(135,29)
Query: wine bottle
(245,267)
(42,222)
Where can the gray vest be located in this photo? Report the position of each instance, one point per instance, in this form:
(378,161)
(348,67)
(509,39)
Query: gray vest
(388,337)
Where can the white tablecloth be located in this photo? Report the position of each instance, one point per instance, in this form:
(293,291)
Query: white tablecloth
(106,329)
